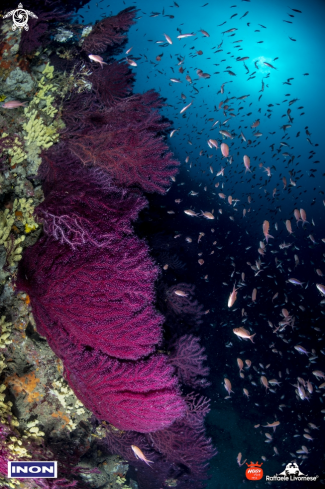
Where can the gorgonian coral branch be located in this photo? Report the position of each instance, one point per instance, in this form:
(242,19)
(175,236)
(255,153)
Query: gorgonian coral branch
(187,357)
(103,296)
(84,209)
(183,304)
(109,31)
(112,83)
(127,146)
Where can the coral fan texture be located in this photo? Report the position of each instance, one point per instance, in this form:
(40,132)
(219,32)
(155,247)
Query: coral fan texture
(89,279)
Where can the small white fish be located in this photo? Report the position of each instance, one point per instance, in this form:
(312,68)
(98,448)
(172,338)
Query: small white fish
(207,215)
(189,212)
(301,349)
(131,62)
(168,39)
(321,288)
(295,281)
(180,293)
(185,108)
(182,36)
(97,58)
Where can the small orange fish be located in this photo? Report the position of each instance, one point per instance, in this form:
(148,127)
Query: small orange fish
(13,104)
(140,455)
(296,213)
(271,425)
(254,293)
(255,124)
(224,149)
(227,386)
(288,226)
(247,163)
(239,457)
(244,334)
(97,58)
(303,216)
(213,143)
(266,226)
(264,382)
(240,364)
(207,215)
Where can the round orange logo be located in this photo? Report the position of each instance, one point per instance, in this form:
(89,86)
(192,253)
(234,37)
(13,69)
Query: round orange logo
(254,471)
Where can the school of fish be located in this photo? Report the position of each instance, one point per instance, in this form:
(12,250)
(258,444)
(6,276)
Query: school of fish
(268,289)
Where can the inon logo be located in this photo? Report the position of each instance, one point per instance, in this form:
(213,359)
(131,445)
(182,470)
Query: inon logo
(45,470)
(254,471)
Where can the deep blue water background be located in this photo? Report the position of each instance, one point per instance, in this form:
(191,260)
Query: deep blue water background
(231,421)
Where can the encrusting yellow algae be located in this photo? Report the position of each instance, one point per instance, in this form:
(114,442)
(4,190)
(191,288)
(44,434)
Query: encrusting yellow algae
(7,219)
(16,152)
(41,130)
(35,128)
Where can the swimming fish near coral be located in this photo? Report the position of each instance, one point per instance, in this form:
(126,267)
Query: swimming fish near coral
(13,104)
(140,455)
(97,58)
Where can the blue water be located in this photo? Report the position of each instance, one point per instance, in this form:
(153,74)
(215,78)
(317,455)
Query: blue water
(231,421)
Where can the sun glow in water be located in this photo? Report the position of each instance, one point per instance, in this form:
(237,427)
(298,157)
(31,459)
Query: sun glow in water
(260,63)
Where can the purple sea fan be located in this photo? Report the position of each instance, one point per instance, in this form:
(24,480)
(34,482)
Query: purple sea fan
(188,358)
(142,396)
(84,208)
(184,305)
(76,108)
(39,30)
(98,302)
(127,147)
(184,443)
(109,31)
(102,296)
(113,82)
(198,408)
(5,431)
